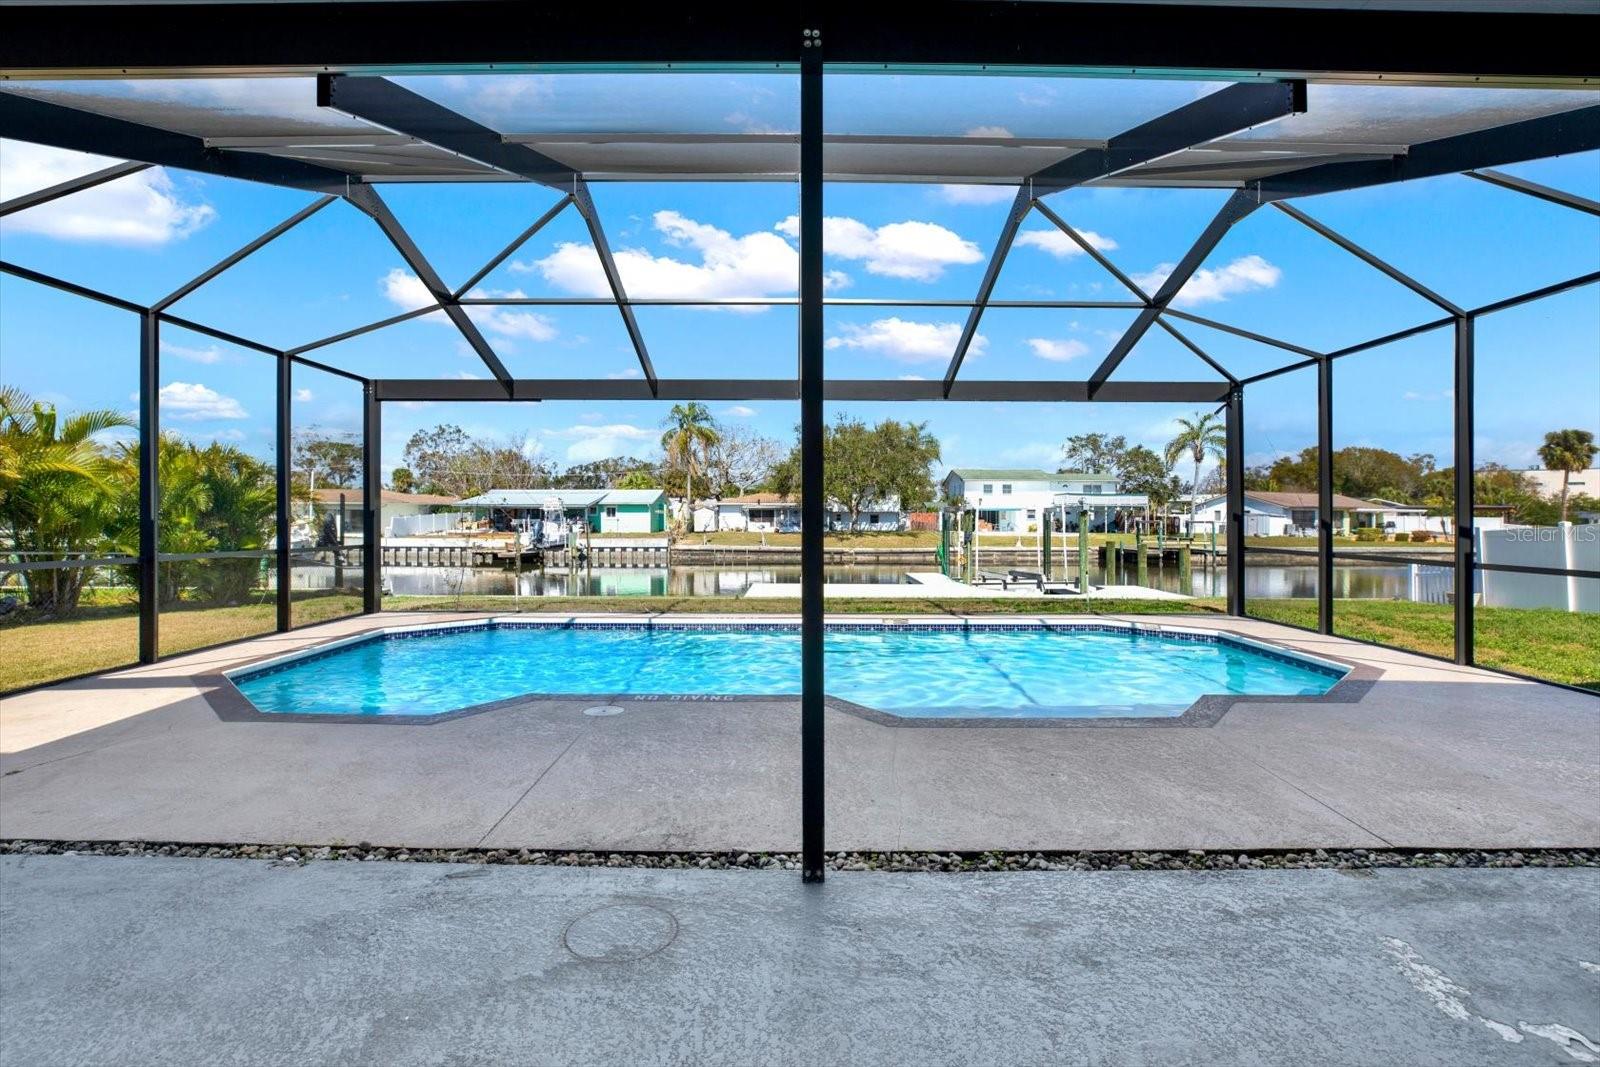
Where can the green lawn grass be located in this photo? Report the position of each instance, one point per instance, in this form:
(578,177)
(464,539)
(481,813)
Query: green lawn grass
(105,633)
(1561,646)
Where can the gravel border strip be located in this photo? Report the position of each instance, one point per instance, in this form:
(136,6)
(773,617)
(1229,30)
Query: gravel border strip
(1358,859)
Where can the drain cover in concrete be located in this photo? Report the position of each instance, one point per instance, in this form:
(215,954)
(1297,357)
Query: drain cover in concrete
(618,933)
(603,709)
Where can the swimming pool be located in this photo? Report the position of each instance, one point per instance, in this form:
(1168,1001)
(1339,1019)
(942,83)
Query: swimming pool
(921,671)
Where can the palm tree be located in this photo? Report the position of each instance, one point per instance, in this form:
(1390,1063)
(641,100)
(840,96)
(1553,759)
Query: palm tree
(689,427)
(1202,435)
(57,490)
(1567,451)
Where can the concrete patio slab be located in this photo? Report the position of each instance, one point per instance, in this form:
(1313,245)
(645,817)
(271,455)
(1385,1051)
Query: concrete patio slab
(1431,755)
(149,960)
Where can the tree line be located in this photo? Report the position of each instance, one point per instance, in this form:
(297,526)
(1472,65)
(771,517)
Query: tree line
(701,458)
(1369,473)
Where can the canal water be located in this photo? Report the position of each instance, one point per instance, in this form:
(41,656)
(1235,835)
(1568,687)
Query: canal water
(1263,580)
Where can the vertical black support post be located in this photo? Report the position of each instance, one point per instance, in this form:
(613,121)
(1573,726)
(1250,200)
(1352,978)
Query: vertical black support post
(1464,488)
(1233,460)
(812,504)
(1325,496)
(371,500)
(149,486)
(285,473)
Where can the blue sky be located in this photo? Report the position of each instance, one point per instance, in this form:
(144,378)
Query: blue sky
(142,236)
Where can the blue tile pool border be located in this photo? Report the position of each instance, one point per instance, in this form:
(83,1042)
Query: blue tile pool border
(1353,682)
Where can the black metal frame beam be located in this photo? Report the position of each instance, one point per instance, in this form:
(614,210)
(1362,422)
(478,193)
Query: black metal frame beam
(838,390)
(371,500)
(1239,331)
(1543,192)
(1226,111)
(381,102)
(1550,135)
(813,505)
(283,434)
(118,39)
(70,186)
(366,199)
(1218,114)
(1325,496)
(149,486)
(24,118)
(1233,483)
(1464,467)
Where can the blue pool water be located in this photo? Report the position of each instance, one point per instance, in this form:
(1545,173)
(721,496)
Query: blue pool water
(1021,673)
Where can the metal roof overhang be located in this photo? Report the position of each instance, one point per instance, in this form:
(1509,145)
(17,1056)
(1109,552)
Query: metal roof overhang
(1287,100)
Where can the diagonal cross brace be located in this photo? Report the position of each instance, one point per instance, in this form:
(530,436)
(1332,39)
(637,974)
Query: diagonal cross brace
(591,218)
(367,199)
(1238,206)
(1227,111)
(383,103)
(70,186)
(1008,233)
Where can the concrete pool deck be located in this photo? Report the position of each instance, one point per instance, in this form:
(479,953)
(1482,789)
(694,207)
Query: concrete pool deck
(1432,755)
(180,961)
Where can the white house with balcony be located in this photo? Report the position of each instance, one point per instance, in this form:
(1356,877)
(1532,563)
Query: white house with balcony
(1017,499)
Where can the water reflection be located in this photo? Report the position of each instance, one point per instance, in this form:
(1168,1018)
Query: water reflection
(1276,581)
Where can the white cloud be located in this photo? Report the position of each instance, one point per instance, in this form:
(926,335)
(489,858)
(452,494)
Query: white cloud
(591,442)
(988,131)
(976,194)
(194,403)
(510,323)
(754,265)
(1061,246)
(406,291)
(621,375)
(1059,351)
(145,208)
(304,395)
(1212,285)
(905,341)
(739,411)
(209,354)
(919,251)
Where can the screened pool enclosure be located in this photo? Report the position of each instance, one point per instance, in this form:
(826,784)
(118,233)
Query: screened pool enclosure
(1284,114)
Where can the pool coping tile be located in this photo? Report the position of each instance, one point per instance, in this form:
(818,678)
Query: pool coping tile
(229,704)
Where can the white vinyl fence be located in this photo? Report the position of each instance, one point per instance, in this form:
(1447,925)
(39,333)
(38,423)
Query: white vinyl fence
(1563,547)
